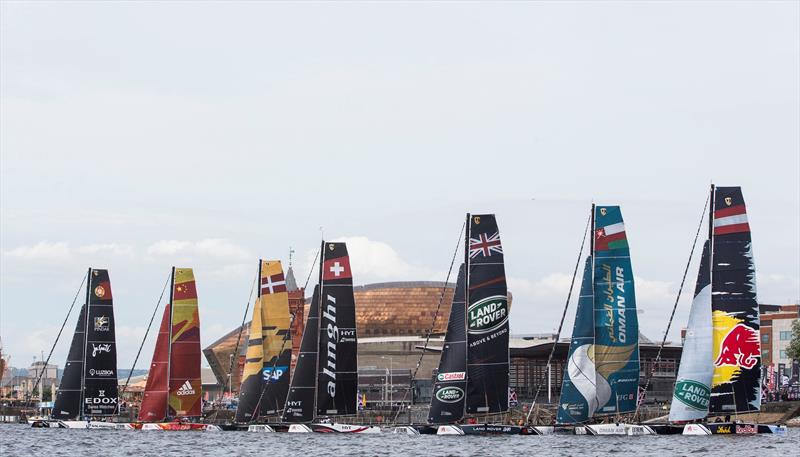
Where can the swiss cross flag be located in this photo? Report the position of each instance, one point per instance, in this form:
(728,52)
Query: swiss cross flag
(338,268)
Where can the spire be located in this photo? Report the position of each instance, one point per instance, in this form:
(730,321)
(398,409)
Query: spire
(291,283)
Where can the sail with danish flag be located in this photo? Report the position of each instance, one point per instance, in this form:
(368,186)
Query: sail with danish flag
(265,381)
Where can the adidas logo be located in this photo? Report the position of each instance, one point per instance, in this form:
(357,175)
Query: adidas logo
(185,389)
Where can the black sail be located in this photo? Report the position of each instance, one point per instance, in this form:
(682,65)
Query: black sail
(302,391)
(68,398)
(100,369)
(449,390)
(487,317)
(337,382)
(736,383)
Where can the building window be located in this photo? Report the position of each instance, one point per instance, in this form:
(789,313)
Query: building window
(765,338)
(786,336)
(783,354)
(764,353)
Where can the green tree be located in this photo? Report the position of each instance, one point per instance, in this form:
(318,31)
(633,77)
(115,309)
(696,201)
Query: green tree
(47,395)
(793,351)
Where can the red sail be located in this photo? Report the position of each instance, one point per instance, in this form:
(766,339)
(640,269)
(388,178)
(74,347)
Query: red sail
(154,403)
(185,389)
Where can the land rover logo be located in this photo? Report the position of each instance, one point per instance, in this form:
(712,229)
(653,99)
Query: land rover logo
(693,394)
(450,394)
(488,314)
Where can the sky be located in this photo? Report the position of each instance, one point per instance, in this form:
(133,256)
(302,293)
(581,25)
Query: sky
(136,136)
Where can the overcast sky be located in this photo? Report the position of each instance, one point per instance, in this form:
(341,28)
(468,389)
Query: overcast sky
(137,136)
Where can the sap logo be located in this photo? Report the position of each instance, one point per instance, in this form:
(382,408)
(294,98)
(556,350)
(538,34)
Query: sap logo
(100,348)
(273,375)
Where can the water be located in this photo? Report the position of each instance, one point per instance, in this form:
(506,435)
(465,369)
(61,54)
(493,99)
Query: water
(19,440)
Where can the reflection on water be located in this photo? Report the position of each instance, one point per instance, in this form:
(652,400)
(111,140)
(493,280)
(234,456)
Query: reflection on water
(19,440)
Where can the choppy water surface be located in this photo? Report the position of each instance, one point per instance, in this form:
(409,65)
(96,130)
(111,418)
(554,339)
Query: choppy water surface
(22,440)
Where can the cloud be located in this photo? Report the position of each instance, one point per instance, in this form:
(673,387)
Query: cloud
(376,261)
(46,251)
(209,247)
(41,251)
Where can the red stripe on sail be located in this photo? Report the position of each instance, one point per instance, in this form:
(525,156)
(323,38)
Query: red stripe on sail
(730,211)
(733,228)
(601,244)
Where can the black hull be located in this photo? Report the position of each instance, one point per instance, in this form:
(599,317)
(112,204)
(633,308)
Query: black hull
(666,429)
(492,429)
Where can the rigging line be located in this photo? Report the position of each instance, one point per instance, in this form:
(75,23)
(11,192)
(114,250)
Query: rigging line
(149,326)
(235,353)
(311,270)
(44,369)
(672,315)
(435,316)
(563,316)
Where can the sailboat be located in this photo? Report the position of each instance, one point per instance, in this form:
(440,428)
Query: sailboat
(720,370)
(88,387)
(602,374)
(265,382)
(325,382)
(474,366)
(173,392)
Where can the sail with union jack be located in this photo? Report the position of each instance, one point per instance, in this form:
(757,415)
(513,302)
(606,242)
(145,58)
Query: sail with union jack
(485,245)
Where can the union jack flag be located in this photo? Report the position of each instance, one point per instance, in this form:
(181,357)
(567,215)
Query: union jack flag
(485,245)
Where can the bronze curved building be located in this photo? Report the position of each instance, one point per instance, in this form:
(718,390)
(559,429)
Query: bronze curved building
(389,309)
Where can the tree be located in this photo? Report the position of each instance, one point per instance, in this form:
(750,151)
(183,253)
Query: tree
(793,351)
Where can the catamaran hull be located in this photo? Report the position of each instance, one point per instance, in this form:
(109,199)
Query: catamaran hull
(74,424)
(476,429)
(727,428)
(618,430)
(332,428)
(179,427)
(666,429)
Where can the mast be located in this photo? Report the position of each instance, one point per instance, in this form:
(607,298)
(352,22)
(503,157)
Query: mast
(169,350)
(85,343)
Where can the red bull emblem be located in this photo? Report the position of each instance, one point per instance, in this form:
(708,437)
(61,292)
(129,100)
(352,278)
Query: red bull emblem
(740,347)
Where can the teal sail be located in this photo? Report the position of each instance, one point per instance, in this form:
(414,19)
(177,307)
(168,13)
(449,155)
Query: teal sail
(578,397)
(616,328)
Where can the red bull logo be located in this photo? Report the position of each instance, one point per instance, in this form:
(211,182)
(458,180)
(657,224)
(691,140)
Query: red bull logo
(740,347)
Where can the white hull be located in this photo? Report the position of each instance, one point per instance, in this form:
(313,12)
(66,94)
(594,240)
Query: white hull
(449,430)
(405,431)
(261,428)
(545,429)
(299,428)
(618,430)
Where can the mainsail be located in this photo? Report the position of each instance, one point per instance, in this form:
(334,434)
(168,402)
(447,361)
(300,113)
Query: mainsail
(690,399)
(736,383)
(276,336)
(265,381)
(616,329)
(447,401)
(578,396)
(89,385)
(337,382)
(174,387)
(487,317)
(302,392)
